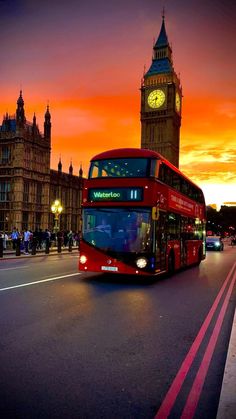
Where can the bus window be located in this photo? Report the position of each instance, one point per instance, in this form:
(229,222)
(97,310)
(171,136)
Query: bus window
(184,187)
(130,167)
(165,174)
(173,226)
(154,168)
(176,181)
(116,229)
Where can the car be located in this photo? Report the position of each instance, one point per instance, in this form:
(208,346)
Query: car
(214,243)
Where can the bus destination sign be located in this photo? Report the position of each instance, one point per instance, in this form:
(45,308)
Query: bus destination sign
(116,194)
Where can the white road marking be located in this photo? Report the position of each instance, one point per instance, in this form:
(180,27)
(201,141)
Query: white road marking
(28,266)
(39,282)
(12,269)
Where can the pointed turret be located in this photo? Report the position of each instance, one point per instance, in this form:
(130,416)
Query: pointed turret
(60,165)
(81,171)
(20,101)
(162,54)
(34,126)
(20,112)
(71,168)
(47,124)
(162,40)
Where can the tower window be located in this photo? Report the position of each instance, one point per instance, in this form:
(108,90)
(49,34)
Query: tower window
(5,188)
(26,192)
(5,155)
(25,219)
(39,190)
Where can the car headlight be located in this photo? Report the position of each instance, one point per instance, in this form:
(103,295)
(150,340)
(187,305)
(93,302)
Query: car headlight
(83,259)
(141,263)
(217,244)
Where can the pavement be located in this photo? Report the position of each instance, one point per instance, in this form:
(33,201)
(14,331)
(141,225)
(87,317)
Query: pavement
(11,254)
(227,402)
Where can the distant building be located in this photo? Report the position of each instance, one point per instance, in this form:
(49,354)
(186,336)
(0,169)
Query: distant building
(214,206)
(28,186)
(229,204)
(161,101)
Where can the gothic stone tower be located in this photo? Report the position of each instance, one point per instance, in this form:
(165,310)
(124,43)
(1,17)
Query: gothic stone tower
(161,97)
(24,171)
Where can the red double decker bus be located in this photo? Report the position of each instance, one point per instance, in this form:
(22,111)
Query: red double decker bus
(141,215)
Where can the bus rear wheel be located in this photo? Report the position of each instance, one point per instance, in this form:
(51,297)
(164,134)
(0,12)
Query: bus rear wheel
(171,264)
(199,257)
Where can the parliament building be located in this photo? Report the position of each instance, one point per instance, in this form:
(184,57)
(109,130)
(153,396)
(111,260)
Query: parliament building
(28,186)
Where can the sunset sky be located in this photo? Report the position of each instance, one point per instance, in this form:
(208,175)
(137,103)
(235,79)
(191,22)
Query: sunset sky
(86,58)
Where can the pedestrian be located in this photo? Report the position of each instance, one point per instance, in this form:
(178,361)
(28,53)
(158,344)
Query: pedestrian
(30,239)
(40,238)
(14,237)
(76,238)
(60,237)
(65,238)
(70,237)
(27,235)
(4,237)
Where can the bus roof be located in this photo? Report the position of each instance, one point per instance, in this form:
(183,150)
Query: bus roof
(138,153)
(127,152)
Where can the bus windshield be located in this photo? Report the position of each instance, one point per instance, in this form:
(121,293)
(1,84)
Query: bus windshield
(124,167)
(118,229)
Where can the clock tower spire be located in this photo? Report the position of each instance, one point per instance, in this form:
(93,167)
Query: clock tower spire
(161,96)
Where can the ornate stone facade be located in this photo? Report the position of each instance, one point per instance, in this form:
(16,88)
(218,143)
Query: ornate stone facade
(28,186)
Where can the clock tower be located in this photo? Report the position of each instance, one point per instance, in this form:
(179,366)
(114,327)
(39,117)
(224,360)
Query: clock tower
(161,97)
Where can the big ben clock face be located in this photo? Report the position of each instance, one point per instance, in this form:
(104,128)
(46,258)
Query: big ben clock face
(156,98)
(177,102)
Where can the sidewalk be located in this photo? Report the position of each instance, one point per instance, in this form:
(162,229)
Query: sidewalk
(227,403)
(11,254)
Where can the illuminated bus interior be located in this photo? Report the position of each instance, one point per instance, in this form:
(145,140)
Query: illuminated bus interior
(118,229)
(124,167)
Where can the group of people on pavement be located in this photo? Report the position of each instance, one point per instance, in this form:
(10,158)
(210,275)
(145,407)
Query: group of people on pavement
(27,238)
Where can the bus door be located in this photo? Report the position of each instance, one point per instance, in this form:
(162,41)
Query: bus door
(160,241)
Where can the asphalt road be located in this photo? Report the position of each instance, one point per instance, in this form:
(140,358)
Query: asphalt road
(99,346)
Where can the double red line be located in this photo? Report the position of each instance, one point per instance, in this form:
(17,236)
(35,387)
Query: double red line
(195,392)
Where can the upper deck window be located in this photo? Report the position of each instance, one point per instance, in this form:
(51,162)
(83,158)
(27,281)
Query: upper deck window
(171,178)
(125,167)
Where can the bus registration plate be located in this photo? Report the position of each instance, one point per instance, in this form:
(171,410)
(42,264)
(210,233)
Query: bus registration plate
(109,268)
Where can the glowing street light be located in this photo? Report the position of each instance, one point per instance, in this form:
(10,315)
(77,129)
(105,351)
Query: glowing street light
(56,209)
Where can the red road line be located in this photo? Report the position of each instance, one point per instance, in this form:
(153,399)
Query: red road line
(194,395)
(177,383)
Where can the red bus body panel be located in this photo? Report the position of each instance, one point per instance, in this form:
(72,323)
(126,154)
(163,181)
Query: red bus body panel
(97,259)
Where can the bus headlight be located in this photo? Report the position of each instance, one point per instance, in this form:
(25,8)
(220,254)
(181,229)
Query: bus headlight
(83,259)
(141,263)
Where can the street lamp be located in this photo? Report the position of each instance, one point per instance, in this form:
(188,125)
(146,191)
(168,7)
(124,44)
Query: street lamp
(56,210)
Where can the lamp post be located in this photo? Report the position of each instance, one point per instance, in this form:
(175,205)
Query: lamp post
(56,210)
